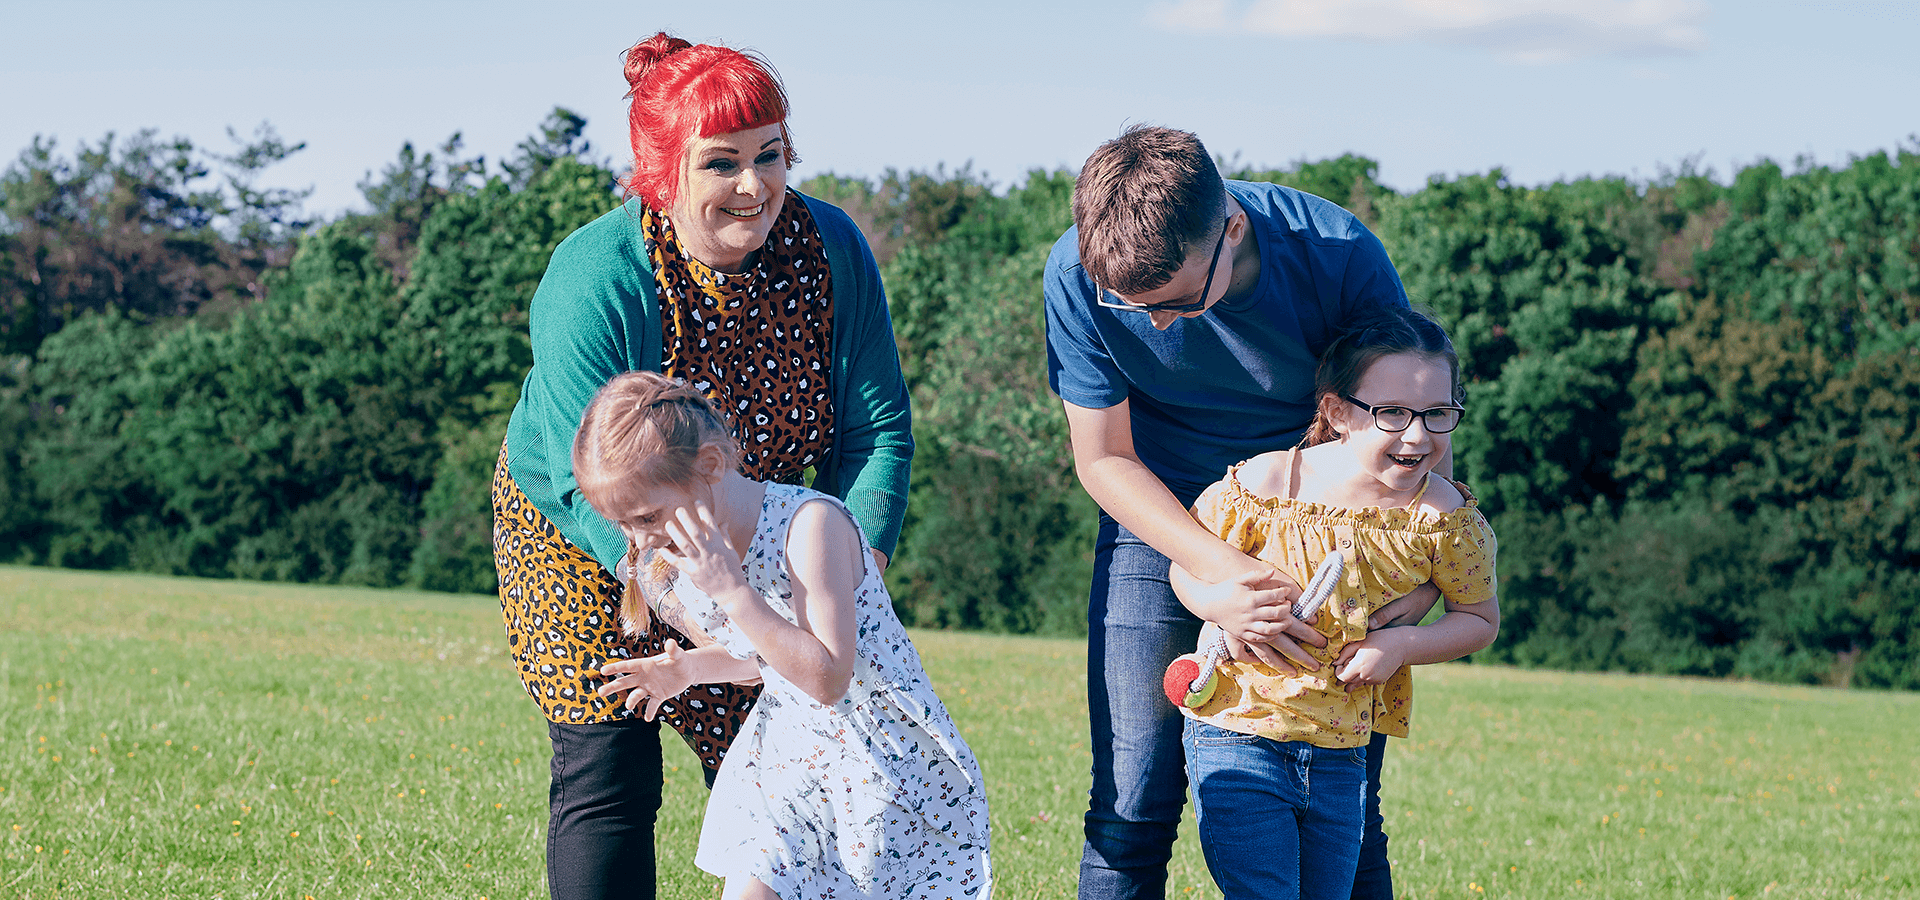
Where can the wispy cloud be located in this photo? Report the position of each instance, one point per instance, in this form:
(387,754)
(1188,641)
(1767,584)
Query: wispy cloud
(1531,31)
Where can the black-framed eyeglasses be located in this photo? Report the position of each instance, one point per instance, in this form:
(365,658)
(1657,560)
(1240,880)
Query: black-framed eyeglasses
(1206,290)
(1395,419)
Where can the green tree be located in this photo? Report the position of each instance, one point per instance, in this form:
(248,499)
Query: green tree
(998,535)
(480,258)
(90,490)
(135,226)
(301,437)
(1349,180)
(1835,249)
(561,136)
(1547,310)
(912,208)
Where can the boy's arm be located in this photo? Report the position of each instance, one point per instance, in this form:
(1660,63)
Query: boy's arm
(1252,611)
(1114,476)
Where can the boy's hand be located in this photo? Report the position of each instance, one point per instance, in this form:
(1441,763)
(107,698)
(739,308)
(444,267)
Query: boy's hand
(1371,660)
(1407,610)
(1281,654)
(1254,609)
(652,679)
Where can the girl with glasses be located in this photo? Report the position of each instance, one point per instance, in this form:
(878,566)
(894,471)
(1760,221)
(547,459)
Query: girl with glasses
(1360,513)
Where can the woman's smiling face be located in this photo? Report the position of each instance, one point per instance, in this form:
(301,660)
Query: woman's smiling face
(732,187)
(1400,460)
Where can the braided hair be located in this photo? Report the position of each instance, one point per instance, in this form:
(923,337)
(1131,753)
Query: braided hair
(643,429)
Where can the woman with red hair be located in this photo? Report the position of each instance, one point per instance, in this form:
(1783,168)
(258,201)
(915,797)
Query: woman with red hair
(765,300)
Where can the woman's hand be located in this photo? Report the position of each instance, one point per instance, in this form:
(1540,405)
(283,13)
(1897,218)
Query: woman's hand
(703,553)
(652,679)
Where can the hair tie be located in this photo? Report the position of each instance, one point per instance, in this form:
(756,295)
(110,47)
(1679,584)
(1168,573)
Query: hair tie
(688,399)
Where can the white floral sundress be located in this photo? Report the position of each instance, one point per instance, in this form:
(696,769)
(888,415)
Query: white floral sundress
(875,796)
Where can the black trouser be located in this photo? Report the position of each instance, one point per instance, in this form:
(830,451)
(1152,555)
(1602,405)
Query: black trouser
(603,803)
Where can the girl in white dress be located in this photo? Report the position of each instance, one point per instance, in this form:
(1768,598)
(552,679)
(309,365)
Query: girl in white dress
(849,779)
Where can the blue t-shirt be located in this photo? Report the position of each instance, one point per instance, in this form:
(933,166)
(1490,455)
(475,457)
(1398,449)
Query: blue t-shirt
(1237,380)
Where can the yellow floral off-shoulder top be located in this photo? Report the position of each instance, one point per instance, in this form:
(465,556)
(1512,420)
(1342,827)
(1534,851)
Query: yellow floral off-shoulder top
(1396,550)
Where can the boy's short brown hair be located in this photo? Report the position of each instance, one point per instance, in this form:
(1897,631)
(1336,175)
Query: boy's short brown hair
(1142,202)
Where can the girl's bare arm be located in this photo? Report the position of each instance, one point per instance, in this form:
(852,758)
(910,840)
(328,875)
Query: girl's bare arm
(653,680)
(1463,629)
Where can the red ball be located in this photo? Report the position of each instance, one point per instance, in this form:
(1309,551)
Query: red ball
(1180,675)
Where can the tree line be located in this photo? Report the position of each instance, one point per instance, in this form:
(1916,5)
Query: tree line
(1694,403)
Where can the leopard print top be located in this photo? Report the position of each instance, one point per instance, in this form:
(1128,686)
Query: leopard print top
(561,611)
(755,342)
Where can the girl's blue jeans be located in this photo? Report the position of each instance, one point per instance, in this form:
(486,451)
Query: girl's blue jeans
(1135,627)
(1278,819)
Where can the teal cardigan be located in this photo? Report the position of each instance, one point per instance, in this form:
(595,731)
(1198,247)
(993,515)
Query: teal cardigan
(595,316)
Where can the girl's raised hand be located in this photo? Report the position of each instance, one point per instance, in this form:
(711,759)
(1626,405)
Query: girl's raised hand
(702,551)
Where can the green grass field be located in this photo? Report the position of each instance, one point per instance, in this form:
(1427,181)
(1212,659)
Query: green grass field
(182,738)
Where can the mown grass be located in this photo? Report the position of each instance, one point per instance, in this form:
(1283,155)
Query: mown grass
(182,738)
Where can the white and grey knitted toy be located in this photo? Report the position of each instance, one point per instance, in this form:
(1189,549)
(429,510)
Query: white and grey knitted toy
(1191,679)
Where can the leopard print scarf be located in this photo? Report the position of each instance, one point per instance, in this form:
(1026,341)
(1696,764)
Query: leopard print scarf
(755,342)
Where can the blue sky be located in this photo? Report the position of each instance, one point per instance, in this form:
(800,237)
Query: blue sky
(1547,89)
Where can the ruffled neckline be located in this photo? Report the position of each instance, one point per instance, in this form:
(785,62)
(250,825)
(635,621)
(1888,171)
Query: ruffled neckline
(1397,518)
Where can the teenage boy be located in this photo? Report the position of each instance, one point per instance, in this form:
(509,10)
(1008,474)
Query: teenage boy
(1185,318)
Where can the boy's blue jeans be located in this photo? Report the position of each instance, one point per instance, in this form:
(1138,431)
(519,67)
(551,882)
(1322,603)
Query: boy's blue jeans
(1135,628)
(1278,819)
